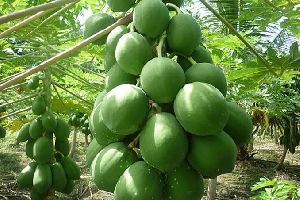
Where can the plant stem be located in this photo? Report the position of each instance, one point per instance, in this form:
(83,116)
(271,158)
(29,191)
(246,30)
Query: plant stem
(161,44)
(177,9)
(65,53)
(18,100)
(231,28)
(15,113)
(33,10)
(57,13)
(192,61)
(23,23)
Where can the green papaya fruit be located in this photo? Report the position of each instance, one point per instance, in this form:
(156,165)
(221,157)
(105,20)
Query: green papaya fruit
(112,161)
(99,98)
(23,134)
(69,187)
(29,148)
(102,134)
(200,55)
(34,82)
(184,182)
(114,37)
(116,76)
(151,17)
(25,177)
(96,23)
(212,155)
(207,73)
(124,109)
(38,105)
(201,109)
(59,177)
(49,121)
(42,178)
(63,146)
(158,71)
(62,130)
(43,151)
(239,125)
(36,128)
(35,195)
(71,168)
(120,5)
(133,52)
(171,137)
(93,149)
(183,34)
(109,61)
(139,181)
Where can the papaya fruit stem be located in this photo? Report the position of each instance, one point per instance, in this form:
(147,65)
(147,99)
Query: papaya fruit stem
(192,60)
(131,26)
(161,44)
(174,6)
(134,142)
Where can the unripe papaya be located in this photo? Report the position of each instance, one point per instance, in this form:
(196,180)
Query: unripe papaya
(49,121)
(99,98)
(96,23)
(151,17)
(116,76)
(38,105)
(62,131)
(71,168)
(114,37)
(93,149)
(29,148)
(132,52)
(36,128)
(25,177)
(23,134)
(33,83)
(166,74)
(120,5)
(63,146)
(183,34)
(43,151)
(59,178)
(42,178)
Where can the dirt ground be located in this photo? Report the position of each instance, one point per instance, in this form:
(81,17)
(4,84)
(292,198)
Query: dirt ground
(231,186)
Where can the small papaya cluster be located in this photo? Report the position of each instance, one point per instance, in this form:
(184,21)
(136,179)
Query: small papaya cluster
(81,120)
(51,169)
(162,124)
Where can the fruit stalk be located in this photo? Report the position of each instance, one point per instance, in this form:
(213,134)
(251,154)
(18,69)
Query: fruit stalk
(174,6)
(161,44)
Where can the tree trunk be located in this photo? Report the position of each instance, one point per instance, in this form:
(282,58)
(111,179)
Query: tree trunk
(74,141)
(86,139)
(280,164)
(212,189)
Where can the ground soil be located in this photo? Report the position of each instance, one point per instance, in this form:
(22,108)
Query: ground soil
(231,186)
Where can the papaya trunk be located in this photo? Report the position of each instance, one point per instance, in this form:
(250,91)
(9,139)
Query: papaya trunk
(74,141)
(212,189)
(86,139)
(280,164)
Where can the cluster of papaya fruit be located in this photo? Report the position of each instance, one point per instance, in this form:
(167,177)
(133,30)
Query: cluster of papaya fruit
(81,120)
(51,169)
(162,124)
